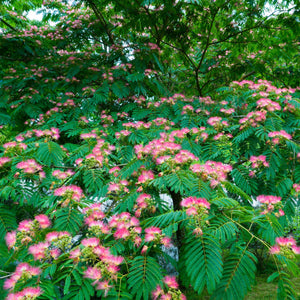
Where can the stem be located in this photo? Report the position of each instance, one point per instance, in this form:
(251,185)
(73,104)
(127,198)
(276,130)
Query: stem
(248,231)
(176,197)
(8,25)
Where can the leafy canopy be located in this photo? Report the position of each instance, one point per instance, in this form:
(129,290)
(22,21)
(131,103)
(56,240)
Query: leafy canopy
(143,140)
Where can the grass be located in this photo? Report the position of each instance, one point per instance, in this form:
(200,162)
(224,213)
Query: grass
(260,291)
(268,291)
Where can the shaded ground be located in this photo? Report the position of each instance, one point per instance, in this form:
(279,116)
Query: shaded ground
(261,291)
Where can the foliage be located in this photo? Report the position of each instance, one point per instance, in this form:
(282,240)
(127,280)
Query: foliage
(133,148)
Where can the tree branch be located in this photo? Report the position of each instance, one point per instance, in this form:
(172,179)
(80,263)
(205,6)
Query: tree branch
(8,25)
(101,19)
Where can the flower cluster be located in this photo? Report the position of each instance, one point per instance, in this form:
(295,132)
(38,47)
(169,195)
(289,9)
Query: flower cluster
(228,111)
(145,176)
(52,133)
(55,243)
(26,230)
(115,171)
(106,119)
(154,234)
(157,148)
(23,272)
(14,146)
(106,265)
(58,239)
(217,122)
(258,161)
(268,104)
(27,293)
(4,160)
(90,135)
(98,156)
(216,172)
(40,250)
(30,166)
(61,174)
(186,109)
(252,119)
(122,133)
(223,137)
(296,187)
(71,193)
(285,246)
(169,291)
(126,227)
(279,136)
(270,203)
(118,187)
(94,219)
(197,208)
(144,202)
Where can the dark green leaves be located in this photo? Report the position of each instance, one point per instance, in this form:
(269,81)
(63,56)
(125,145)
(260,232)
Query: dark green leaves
(50,153)
(238,275)
(144,275)
(7,221)
(203,262)
(68,219)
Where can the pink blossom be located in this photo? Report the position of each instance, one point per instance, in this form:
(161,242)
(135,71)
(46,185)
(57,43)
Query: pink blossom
(10,239)
(75,254)
(296,249)
(285,241)
(145,176)
(268,104)
(90,242)
(104,285)
(275,249)
(93,273)
(268,199)
(25,225)
(39,250)
(171,282)
(121,233)
(70,192)
(43,221)
(4,160)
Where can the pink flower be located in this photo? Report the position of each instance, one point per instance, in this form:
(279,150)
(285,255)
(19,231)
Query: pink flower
(275,249)
(285,241)
(104,285)
(121,233)
(52,236)
(144,249)
(90,242)
(191,211)
(31,293)
(158,292)
(39,250)
(166,241)
(151,233)
(10,239)
(145,176)
(93,273)
(4,160)
(25,225)
(55,253)
(75,254)
(70,192)
(43,221)
(171,282)
(268,199)
(296,249)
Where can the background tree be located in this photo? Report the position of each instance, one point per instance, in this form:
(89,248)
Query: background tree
(108,106)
